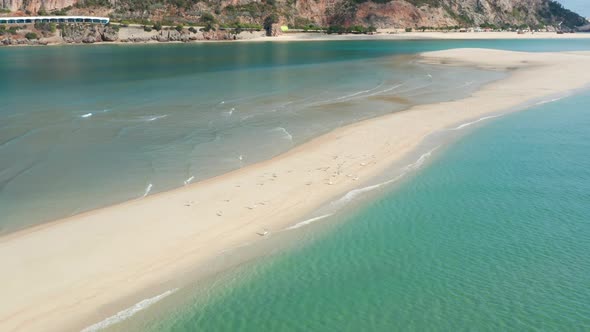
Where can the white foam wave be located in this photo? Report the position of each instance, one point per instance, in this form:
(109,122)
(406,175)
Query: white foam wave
(285,133)
(148,189)
(189,180)
(124,314)
(476,121)
(418,163)
(548,101)
(349,96)
(386,90)
(87,115)
(154,117)
(308,221)
(349,196)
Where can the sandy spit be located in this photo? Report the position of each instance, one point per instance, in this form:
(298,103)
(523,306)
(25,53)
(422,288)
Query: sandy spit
(72,273)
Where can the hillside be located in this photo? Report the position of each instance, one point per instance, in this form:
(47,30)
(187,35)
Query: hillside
(306,13)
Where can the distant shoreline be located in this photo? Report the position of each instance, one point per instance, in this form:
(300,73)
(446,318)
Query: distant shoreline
(136,36)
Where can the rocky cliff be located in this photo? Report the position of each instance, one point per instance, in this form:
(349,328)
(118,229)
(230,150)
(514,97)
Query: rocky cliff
(34,6)
(305,13)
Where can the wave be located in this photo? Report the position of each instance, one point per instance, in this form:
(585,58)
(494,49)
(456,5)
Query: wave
(476,121)
(411,167)
(148,189)
(151,118)
(345,97)
(286,134)
(351,195)
(189,180)
(17,138)
(124,314)
(418,163)
(308,221)
(386,90)
(87,115)
(542,102)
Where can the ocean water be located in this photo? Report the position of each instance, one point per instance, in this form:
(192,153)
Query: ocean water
(86,127)
(492,234)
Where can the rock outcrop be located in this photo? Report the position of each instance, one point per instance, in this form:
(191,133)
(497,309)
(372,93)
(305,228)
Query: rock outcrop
(21,41)
(85,33)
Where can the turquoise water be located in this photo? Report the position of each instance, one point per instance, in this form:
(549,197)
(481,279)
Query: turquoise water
(85,127)
(492,235)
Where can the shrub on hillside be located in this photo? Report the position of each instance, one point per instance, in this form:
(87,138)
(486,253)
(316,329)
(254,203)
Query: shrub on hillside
(31,36)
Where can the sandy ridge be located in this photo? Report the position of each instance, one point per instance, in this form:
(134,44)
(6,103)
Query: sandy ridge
(55,277)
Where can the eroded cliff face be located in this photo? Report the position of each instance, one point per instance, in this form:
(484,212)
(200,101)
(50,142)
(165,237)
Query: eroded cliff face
(34,6)
(377,13)
(400,13)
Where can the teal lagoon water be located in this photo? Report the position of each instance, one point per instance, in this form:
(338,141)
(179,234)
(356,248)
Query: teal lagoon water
(492,235)
(86,127)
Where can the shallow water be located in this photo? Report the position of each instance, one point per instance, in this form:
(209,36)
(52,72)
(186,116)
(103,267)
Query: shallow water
(85,127)
(493,234)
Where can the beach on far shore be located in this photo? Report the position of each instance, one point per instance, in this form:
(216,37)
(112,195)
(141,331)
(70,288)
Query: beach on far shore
(72,273)
(132,35)
(390,34)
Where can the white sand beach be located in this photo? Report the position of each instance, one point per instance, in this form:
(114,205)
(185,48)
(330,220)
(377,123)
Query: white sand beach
(72,273)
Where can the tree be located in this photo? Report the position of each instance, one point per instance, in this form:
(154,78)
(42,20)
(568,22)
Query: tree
(209,21)
(31,35)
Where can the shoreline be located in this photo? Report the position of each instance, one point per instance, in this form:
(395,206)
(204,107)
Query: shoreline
(383,35)
(60,273)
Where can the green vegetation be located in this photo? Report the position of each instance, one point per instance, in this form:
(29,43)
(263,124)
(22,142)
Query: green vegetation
(255,10)
(209,21)
(31,36)
(356,29)
(93,3)
(147,28)
(4,11)
(237,26)
(157,26)
(46,27)
(409,29)
(61,12)
(179,28)
(555,13)
(12,30)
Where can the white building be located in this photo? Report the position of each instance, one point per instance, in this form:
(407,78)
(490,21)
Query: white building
(54,19)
